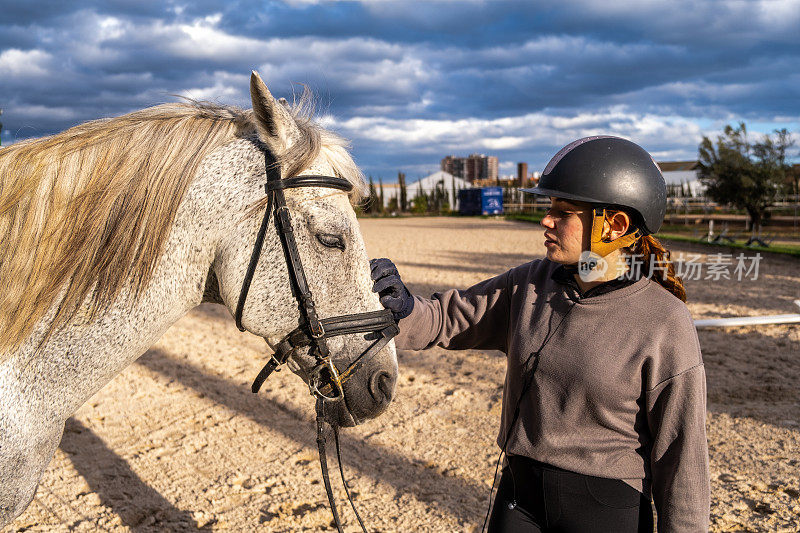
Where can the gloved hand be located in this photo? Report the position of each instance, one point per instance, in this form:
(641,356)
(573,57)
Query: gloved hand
(390,288)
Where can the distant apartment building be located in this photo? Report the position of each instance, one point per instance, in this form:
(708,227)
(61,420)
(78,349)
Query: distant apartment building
(472,168)
(522,174)
(453,165)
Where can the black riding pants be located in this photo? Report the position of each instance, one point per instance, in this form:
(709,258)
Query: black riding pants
(537,498)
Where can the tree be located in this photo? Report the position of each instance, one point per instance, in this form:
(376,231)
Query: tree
(772,153)
(437,199)
(380,185)
(420,201)
(442,200)
(401,179)
(742,173)
(373,201)
(794,181)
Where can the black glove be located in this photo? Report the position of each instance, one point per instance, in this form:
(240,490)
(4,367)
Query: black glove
(390,288)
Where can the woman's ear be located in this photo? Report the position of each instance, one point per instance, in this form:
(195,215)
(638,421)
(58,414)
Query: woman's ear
(615,225)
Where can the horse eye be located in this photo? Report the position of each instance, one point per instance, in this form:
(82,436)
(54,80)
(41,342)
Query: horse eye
(330,240)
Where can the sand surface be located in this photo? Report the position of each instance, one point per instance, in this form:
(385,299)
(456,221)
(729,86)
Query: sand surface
(178,443)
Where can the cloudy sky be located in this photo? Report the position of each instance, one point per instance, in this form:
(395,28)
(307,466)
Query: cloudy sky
(410,82)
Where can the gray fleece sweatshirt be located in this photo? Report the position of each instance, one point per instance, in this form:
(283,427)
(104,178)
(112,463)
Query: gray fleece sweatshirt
(619,390)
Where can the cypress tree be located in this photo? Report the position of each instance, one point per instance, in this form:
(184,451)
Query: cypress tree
(372,206)
(401,178)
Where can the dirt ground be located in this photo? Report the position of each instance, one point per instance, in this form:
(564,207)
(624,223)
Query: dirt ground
(178,443)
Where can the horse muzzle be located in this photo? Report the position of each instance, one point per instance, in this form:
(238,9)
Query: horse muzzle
(351,401)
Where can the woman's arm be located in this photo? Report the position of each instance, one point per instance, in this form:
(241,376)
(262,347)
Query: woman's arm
(476,317)
(676,412)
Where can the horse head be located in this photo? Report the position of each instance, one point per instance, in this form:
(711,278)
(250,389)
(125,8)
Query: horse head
(331,254)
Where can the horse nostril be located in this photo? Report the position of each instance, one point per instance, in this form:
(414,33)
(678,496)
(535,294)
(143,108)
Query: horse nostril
(381,387)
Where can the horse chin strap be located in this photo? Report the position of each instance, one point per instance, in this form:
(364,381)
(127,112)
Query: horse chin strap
(602,247)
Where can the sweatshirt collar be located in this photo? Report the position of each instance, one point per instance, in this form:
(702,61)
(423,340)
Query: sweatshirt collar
(565,275)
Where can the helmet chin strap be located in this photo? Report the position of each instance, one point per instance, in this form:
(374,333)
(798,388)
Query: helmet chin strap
(603,248)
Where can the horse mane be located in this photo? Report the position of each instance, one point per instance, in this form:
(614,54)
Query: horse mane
(86,212)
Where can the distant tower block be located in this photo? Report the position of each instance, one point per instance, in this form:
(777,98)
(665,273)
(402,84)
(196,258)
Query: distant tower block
(472,168)
(522,174)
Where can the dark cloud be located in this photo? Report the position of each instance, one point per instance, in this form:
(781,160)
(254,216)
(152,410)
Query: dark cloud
(624,63)
(35,13)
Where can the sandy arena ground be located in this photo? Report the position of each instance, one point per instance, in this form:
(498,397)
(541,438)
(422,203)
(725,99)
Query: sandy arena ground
(178,443)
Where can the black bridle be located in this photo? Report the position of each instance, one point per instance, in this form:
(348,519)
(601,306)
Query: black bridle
(325,381)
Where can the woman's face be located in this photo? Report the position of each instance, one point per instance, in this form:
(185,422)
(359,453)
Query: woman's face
(567,225)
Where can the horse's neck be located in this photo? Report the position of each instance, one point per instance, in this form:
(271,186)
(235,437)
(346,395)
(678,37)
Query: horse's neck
(81,357)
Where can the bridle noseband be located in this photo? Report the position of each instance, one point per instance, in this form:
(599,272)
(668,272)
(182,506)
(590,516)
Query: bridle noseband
(324,379)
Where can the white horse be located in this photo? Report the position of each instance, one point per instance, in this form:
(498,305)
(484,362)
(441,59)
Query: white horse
(114,229)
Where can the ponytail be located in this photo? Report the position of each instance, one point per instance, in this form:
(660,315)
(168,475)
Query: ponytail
(654,261)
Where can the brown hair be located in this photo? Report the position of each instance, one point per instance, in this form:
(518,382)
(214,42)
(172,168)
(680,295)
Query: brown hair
(655,260)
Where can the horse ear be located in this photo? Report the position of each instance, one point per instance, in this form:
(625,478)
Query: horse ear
(274,123)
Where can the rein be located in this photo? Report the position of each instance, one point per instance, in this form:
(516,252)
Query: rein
(325,381)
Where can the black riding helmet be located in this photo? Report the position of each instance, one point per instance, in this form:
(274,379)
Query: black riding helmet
(608,172)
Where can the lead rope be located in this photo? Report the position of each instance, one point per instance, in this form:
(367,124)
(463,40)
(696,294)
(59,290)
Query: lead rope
(323,462)
(341,471)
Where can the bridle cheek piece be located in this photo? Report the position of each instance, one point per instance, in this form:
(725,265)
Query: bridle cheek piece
(325,382)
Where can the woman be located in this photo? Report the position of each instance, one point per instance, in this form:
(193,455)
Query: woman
(604,397)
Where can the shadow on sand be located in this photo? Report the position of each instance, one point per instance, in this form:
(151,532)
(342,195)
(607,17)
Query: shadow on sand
(402,473)
(139,506)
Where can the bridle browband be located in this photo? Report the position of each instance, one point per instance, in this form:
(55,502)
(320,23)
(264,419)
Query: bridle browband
(325,382)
